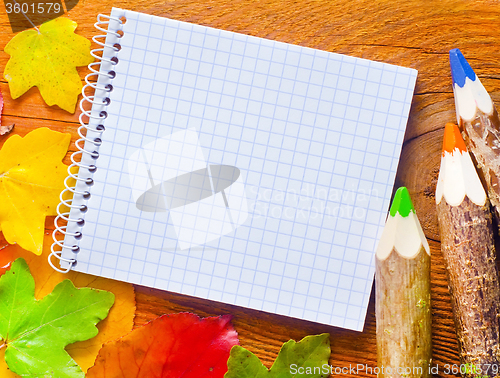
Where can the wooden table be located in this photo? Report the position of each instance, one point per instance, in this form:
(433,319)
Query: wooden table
(412,33)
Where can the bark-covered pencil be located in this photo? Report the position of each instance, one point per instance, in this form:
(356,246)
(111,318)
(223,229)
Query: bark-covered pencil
(465,225)
(479,123)
(402,296)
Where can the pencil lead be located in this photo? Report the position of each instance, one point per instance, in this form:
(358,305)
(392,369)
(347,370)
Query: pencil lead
(470,95)
(460,68)
(402,203)
(453,139)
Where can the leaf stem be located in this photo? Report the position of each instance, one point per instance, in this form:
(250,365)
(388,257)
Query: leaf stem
(24,14)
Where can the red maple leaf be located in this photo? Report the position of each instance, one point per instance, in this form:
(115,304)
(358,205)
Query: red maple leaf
(171,346)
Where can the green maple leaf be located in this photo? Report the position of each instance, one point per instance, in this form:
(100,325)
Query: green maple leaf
(36,332)
(307,358)
(48,60)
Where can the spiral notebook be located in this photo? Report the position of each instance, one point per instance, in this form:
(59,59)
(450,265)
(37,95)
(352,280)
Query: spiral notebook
(233,168)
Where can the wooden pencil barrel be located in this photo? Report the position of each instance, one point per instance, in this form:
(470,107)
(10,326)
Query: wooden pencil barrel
(481,135)
(469,254)
(403,314)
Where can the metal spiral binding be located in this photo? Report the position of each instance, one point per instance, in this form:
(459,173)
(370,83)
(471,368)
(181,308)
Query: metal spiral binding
(71,209)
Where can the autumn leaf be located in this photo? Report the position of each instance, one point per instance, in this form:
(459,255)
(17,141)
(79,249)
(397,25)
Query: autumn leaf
(118,323)
(35,333)
(48,60)
(31,178)
(173,346)
(3,129)
(307,358)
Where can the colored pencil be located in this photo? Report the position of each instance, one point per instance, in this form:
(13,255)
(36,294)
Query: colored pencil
(465,225)
(479,123)
(402,297)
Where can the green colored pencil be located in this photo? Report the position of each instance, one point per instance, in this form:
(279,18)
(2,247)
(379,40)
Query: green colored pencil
(402,301)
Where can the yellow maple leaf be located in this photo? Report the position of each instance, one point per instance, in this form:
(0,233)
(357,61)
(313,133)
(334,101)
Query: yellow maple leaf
(31,178)
(118,323)
(48,60)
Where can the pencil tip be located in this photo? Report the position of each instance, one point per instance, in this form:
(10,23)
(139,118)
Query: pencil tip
(402,203)
(402,234)
(460,68)
(453,139)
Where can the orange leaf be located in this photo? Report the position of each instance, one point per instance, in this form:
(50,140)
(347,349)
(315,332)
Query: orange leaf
(171,346)
(118,323)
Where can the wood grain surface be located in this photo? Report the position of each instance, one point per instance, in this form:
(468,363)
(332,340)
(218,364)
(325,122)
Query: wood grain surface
(412,33)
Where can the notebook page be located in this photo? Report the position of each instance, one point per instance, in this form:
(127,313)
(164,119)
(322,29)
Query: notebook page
(245,170)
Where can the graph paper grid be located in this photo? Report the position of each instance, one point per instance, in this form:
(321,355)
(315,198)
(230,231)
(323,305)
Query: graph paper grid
(314,138)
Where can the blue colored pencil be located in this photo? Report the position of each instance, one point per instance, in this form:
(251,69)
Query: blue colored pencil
(479,123)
